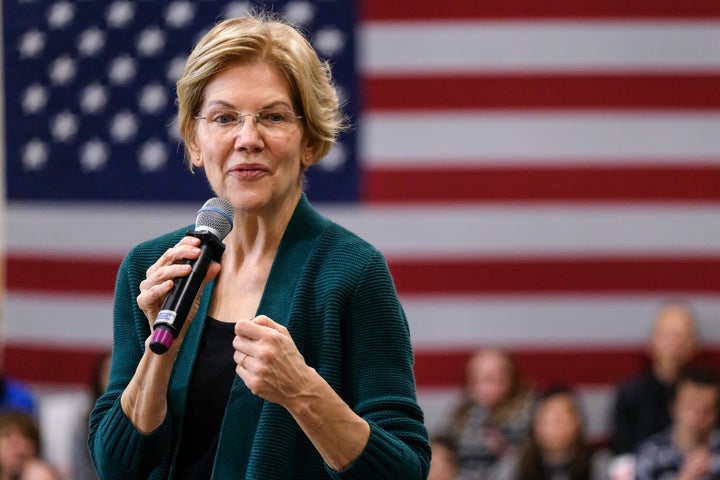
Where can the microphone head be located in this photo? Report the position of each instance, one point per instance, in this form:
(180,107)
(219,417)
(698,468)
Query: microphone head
(216,217)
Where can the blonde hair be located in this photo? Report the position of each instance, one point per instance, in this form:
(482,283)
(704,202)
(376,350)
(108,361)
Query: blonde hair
(264,38)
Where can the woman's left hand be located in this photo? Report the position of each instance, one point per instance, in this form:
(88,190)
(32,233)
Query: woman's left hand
(269,362)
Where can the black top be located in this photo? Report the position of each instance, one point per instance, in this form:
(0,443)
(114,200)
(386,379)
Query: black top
(210,386)
(642,408)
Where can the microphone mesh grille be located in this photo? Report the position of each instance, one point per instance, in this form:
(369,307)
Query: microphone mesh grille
(215,215)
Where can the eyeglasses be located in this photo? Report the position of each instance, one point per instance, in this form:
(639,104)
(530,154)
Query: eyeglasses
(271,120)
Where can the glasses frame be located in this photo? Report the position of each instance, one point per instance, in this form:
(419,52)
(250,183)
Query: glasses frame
(241,118)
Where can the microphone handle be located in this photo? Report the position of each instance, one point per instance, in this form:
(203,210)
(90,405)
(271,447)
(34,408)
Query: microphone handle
(171,317)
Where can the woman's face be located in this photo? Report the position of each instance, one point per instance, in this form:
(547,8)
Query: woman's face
(489,379)
(255,168)
(556,423)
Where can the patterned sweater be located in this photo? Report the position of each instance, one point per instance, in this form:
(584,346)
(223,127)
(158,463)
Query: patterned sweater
(334,293)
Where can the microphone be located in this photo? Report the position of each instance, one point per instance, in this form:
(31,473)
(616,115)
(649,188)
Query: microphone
(212,224)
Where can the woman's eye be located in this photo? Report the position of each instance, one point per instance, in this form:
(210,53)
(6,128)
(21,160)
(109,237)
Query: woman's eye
(224,118)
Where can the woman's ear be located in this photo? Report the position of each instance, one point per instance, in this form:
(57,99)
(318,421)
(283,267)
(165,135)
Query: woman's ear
(195,156)
(308,157)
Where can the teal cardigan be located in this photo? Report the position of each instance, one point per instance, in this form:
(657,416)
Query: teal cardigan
(334,293)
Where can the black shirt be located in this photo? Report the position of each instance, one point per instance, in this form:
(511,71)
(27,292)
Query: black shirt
(208,392)
(642,408)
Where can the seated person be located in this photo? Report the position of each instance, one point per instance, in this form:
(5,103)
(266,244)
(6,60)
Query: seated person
(642,404)
(690,448)
(495,415)
(557,448)
(37,469)
(444,463)
(19,442)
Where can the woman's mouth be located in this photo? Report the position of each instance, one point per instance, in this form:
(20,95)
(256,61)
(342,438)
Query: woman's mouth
(248,171)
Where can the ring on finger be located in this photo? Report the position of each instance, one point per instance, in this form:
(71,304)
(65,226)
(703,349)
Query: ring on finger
(242,361)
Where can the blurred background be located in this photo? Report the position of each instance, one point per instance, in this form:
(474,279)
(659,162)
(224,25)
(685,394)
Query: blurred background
(541,176)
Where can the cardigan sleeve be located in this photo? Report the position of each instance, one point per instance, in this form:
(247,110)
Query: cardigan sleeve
(117,448)
(379,384)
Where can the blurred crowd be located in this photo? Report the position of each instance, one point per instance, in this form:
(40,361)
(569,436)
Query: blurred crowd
(664,421)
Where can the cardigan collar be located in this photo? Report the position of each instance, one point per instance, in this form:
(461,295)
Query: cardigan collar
(299,238)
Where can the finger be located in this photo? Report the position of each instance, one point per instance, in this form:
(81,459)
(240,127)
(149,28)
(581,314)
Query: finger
(185,249)
(267,322)
(249,329)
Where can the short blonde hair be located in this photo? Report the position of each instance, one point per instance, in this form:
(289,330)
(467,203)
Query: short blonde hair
(264,38)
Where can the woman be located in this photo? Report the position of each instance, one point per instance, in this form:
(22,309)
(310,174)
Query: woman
(295,361)
(557,448)
(495,415)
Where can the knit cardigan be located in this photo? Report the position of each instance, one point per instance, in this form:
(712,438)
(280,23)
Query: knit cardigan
(334,293)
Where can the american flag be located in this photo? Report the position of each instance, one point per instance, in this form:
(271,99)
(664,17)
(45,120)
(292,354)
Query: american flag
(540,175)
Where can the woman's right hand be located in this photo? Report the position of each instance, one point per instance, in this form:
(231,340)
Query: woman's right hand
(160,277)
(144,399)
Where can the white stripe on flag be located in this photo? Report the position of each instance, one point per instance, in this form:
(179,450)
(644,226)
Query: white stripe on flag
(422,47)
(432,231)
(473,139)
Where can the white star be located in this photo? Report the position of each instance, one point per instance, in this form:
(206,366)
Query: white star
(334,159)
(329,41)
(150,41)
(300,13)
(152,156)
(175,69)
(237,9)
(91,41)
(120,14)
(152,98)
(179,14)
(60,14)
(62,70)
(94,155)
(93,98)
(31,43)
(123,126)
(34,98)
(35,155)
(64,126)
(122,69)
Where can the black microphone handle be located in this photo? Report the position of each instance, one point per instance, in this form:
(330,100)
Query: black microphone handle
(177,304)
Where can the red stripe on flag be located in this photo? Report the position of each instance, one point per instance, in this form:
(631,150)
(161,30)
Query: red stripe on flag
(560,275)
(433,369)
(547,183)
(61,274)
(547,92)
(439,276)
(51,364)
(376,10)
(545,367)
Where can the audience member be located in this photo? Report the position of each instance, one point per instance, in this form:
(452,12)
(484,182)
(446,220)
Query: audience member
(19,442)
(38,469)
(642,403)
(557,448)
(444,463)
(82,467)
(494,416)
(690,448)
